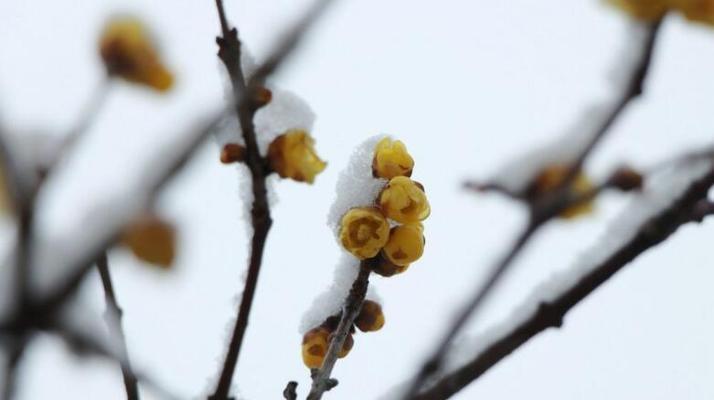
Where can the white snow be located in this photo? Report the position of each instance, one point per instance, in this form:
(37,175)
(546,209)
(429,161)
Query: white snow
(517,174)
(356,187)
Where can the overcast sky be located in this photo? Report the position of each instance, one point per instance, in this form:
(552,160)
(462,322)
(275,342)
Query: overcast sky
(466,85)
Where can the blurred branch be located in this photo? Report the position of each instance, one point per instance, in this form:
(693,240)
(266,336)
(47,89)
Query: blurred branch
(248,92)
(290,392)
(113,317)
(15,352)
(321,381)
(542,211)
(551,313)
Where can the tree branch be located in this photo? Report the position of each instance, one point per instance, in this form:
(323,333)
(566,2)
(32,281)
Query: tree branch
(542,210)
(113,318)
(321,381)
(551,313)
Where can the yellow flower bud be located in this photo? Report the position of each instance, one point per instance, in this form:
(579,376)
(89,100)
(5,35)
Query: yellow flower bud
(404,200)
(645,10)
(405,245)
(391,159)
(346,346)
(292,155)
(129,53)
(696,10)
(551,177)
(370,318)
(152,240)
(363,232)
(314,347)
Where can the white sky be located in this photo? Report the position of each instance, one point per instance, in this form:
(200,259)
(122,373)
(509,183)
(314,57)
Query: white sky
(466,85)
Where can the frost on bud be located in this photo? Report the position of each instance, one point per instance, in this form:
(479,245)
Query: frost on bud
(551,178)
(382,266)
(645,10)
(129,53)
(363,232)
(391,159)
(292,155)
(314,347)
(626,179)
(405,245)
(232,153)
(404,201)
(370,318)
(696,10)
(152,240)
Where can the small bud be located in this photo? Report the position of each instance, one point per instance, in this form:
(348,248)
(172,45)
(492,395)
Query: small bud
(129,53)
(405,245)
(391,159)
(645,10)
(382,266)
(232,153)
(152,240)
(292,155)
(314,347)
(551,178)
(626,179)
(363,232)
(263,95)
(404,201)
(370,318)
(346,346)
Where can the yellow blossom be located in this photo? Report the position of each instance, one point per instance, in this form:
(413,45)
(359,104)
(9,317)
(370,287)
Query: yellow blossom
(314,347)
(551,177)
(363,232)
(405,245)
(129,53)
(292,155)
(403,200)
(696,10)
(391,159)
(152,240)
(382,266)
(645,10)
(370,318)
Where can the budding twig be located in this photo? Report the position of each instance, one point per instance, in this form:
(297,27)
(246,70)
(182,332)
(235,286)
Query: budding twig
(321,381)
(551,314)
(540,214)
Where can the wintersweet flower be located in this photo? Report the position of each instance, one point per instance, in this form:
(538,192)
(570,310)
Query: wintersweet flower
(551,177)
(391,159)
(370,318)
(382,266)
(645,10)
(129,53)
(292,155)
(404,201)
(405,245)
(314,347)
(152,240)
(363,232)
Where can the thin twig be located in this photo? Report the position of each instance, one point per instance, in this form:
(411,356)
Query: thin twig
(15,354)
(551,314)
(113,317)
(321,380)
(542,211)
(230,53)
(290,391)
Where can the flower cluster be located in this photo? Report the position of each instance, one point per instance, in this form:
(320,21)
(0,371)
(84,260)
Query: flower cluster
(388,234)
(129,53)
(379,224)
(651,10)
(317,340)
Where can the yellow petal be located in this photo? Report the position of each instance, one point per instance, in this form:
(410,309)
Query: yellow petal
(405,245)
(370,318)
(152,240)
(391,159)
(645,10)
(363,232)
(551,177)
(314,347)
(292,155)
(403,200)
